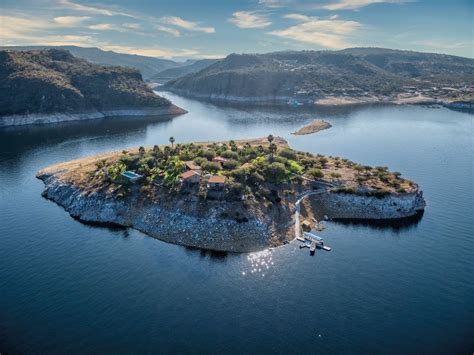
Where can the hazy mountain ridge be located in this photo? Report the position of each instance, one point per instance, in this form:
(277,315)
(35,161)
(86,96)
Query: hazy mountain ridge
(313,75)
(174,73)
(53,81)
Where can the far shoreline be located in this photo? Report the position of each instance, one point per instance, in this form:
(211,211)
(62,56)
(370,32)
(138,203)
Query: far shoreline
(327,102)
(50,118)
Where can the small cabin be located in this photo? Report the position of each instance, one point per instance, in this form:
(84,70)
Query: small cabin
(190,165)
(216,182)
(190,177)
(131,176)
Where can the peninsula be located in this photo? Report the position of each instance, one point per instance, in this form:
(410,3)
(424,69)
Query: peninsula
(234,196)
(46,86)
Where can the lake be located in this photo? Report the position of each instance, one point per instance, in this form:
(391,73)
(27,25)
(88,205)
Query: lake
(66,287)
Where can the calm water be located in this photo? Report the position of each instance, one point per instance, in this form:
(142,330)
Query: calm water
(67,288)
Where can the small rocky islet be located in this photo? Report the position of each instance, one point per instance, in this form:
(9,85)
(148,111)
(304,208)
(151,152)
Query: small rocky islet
(236,196)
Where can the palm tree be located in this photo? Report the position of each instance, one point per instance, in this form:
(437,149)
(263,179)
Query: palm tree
(172,141)
(270,138)
(273,148)
(141,151)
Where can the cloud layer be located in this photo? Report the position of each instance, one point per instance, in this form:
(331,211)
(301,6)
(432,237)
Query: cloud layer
(249,19)
(329,33)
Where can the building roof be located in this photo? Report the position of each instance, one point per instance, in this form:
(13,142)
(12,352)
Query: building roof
(192,165)
(216,179)
(189,174)
(219,159)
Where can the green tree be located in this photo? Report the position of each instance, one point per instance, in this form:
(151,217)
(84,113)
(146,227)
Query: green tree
(141,151)
(270,138)
(276,173)
(273,149)
(172,142)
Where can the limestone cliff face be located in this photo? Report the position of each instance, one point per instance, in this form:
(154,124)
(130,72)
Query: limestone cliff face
(350,206)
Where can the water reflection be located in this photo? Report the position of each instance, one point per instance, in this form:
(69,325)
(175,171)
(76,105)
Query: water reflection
(397,225)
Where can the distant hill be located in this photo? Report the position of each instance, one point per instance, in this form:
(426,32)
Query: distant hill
(173,73)
(353,74)
(148,66)
(54,81)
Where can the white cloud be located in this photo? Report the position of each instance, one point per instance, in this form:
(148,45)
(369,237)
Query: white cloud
(356,4)
(93,9)
(330,33)
(188,25)
(132,26)
(274,3)
(104,27)
(169,30)
(70,21)
(249,19)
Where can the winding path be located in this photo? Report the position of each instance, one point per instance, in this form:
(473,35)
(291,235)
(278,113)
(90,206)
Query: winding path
(298,208)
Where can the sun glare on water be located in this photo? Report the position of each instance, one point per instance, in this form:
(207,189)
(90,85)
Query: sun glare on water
(260,262)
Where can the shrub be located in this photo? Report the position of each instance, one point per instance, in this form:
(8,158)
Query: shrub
(279,159)
(336,175)
(275,172)
(211,166)
(323,161)
(239,174)
(231,165)
(315,173)
(255,179)
(200,160)
(294,167)
(236,190)
(288,154)
(130,162)
(228,154)
(208,154)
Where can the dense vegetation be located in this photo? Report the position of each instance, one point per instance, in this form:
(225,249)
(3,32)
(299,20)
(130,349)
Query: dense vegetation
(49,81)
(313,74)
(253,170)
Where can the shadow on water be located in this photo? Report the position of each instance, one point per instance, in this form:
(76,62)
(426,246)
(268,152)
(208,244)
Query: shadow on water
(213,255)
(400,224)
(19,139)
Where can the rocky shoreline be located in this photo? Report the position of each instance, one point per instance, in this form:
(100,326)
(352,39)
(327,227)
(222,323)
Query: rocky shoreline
(466,106)
(40,119)
(184,223)
(208,225)
(353,207)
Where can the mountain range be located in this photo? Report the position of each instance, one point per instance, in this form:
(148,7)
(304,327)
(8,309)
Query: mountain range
(373,74)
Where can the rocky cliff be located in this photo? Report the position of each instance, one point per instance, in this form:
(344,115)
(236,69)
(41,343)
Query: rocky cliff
(53,81)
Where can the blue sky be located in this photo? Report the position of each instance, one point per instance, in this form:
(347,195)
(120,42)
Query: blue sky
(181,29)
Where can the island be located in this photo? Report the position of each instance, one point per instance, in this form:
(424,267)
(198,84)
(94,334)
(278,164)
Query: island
(47,86)
(328,78)
(235,196)
(312,127)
